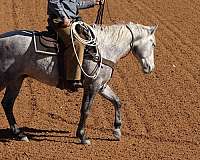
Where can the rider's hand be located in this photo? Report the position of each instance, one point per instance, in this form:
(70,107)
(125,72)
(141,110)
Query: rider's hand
(98,2)
(66,22)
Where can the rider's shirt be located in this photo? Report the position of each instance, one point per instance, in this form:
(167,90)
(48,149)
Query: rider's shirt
(67,8)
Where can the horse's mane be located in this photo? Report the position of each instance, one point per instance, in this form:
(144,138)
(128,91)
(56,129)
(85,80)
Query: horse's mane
(119,32)
(111,34)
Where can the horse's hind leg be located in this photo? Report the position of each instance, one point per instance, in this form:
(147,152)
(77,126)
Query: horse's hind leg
(11,93)
(2,81)
(112,97)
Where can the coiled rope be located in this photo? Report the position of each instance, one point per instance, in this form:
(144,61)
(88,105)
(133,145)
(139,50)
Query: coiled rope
(92,41)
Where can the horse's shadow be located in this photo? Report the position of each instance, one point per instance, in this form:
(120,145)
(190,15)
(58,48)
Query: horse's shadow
(35,134)
(5,135)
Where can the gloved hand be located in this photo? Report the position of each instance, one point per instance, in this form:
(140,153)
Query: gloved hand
(66,22)
(98,2)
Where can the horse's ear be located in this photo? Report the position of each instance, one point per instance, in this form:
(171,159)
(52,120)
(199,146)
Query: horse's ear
(153,29)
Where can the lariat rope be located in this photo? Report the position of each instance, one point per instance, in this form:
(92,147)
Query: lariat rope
(92,39)
(91,42)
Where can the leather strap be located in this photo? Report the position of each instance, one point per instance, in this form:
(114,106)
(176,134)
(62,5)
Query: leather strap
(108,63)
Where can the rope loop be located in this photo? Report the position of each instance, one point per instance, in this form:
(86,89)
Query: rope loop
(91,41)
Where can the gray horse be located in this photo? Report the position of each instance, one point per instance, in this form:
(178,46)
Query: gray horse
(18,59)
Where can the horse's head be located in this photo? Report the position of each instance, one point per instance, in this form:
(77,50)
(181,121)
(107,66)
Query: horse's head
(143,47)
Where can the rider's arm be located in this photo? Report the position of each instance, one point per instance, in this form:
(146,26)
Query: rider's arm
(86,4)
(56,7)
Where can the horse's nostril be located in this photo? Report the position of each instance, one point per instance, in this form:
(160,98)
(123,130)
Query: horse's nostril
(147,68)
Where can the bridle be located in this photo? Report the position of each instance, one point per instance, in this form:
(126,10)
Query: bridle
(132,47)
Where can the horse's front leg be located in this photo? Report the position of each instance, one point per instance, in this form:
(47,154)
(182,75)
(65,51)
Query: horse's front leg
(88,97)
(11,93)
(114,99)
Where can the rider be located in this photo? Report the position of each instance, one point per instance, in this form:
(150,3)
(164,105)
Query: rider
(61,14)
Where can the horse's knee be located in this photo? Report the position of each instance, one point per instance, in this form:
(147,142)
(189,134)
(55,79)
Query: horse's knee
(86,110)
(117,102)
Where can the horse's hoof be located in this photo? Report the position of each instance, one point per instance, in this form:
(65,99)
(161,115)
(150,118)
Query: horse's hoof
(87,142)
(25,138)
(22,137)
(117,134)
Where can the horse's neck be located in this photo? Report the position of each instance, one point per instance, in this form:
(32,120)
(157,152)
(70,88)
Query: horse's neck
(114,43)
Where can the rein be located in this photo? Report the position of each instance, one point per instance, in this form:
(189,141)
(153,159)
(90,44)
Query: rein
(132,49)
(99,18)
(100,13)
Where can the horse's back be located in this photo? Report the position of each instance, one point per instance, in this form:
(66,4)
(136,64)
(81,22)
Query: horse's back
(18,33)
(15,42)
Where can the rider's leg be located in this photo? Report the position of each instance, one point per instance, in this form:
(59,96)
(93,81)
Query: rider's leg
(73,71)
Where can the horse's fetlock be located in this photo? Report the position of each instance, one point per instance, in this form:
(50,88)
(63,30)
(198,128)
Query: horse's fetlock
(87,113)
(80,133)
(15,130)
(117,133)
(117,125)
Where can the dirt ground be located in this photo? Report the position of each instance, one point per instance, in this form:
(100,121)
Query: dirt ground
(161,111)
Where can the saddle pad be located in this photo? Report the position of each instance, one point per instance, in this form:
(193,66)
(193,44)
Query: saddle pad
(45,44)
